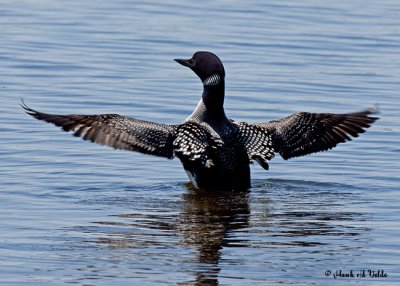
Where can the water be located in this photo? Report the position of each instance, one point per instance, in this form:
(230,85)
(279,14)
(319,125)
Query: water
(77,213)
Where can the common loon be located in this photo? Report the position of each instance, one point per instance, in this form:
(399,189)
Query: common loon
(216,151)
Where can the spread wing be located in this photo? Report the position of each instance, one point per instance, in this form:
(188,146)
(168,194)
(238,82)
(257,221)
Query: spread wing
(119,132)
(193,144)
(258,142)
(305,133)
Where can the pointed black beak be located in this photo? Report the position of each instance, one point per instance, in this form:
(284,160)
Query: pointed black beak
(186,63)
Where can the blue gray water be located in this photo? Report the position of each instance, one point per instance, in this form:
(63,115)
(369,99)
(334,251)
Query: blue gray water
(81,214)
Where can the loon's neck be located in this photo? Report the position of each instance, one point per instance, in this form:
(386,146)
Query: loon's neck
(210,108)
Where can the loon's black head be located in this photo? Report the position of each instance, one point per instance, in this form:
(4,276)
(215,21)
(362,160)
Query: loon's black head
(207,66)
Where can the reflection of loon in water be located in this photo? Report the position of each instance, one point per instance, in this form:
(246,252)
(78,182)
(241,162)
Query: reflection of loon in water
(206,221)
(216,151)
(212,229)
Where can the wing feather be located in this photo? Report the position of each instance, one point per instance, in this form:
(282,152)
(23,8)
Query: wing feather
(305,133)
(258,143)
(119,132)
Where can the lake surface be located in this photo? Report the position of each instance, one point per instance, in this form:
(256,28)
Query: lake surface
(75,213)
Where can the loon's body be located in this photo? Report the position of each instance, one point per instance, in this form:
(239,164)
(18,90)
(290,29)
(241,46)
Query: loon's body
(216,151)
